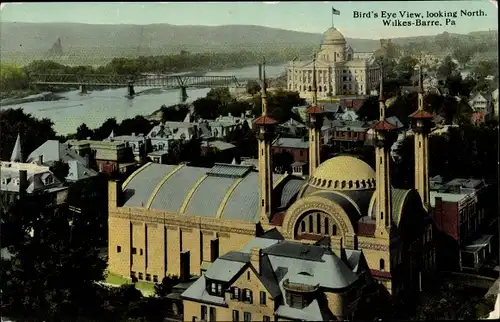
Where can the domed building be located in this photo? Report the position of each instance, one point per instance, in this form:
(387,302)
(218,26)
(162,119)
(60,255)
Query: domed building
(177,219)
(339,70)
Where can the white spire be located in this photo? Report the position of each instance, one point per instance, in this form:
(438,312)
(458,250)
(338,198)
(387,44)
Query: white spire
(17,154)
(234,161)
(187,119)
(112,134)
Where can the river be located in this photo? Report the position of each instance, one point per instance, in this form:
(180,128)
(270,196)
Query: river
(97,106)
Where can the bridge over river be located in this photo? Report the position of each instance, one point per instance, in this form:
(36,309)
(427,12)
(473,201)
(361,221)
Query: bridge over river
(181,82)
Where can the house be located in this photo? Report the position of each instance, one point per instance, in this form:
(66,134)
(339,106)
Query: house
(138,143)
(52,151)
(461,209)
(107,156)
(224,151)
(293,128)
(481,102)
(273,279)
(494,98)
(298,147)
(345,135)
(235,120)
(348,115)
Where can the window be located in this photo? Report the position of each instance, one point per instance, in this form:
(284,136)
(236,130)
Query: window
(148,277)
(248,275)
(118,249)
(134,250)
(248,296)
(303,226)
(203,312)
(155,278)
(266,318)
(140,251)
(327,226)
(140,276)
(334,230)
(236,315)
(236,294)
(382,264)
(262,298)
(212,314)
(213,288)
(247,317)
(219,289)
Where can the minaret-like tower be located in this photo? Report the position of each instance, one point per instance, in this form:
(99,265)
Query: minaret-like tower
(17,153)
(265,127)
(384,139)
(421,123)
(315,122)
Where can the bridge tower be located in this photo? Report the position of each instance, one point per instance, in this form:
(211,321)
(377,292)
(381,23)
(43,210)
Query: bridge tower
(130,89)
(83,89)
(184,95)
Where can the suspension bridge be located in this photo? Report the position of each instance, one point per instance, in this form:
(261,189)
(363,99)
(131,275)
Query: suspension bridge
(181,82)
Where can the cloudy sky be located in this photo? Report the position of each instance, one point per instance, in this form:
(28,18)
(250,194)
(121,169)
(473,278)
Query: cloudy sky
(299,16)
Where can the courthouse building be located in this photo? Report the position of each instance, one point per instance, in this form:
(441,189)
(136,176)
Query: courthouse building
(339,70)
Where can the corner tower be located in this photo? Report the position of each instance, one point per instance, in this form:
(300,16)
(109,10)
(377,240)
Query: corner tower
(421,123)
(384,138)
(265,127)
(315,122)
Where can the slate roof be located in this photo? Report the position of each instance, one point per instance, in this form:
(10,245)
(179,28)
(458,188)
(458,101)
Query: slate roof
(283,262)
(77,171)
(53,150)
(294,143)
(203,190)
(36,175)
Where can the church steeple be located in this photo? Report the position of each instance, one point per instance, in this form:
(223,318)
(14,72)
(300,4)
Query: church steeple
(265,126)
(17,154)
(421,123)
(383,142)
(315,122)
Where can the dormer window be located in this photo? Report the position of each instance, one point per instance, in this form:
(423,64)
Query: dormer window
(17,181)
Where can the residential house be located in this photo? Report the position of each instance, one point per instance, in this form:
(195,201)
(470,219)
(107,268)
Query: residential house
(53,151)
(138,143)
(462,209)
(224,151)
(481,102)
(292,128)
(106,156)
(494,98)
(231,119)
(297,147)
(271,279)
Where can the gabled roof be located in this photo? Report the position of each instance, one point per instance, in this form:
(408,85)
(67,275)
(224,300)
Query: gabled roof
(53,150)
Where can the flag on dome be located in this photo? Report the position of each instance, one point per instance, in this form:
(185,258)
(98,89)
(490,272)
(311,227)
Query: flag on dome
(335,11)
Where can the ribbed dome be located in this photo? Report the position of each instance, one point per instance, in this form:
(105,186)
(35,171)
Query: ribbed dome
(343,173)
(333,37)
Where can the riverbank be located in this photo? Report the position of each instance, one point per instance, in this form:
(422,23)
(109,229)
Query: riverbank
(29,97)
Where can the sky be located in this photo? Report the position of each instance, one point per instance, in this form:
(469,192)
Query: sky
(299,16)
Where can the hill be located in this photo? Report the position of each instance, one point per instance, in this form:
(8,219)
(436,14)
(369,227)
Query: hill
(36,39)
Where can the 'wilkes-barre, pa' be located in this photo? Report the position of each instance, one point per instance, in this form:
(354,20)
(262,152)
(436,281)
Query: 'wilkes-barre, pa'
(182,162)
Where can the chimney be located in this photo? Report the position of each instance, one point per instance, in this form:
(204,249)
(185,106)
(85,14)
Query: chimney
(255,258)
(40,159)
(115,194)
(23,181)
(133,133)
(88,137)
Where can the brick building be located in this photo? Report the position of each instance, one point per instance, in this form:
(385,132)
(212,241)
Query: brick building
(298,147)
(462,212)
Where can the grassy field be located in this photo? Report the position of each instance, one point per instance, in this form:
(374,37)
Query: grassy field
(146,288)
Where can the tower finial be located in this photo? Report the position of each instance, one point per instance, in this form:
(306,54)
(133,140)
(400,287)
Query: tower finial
(381,98)
(263,88)
(314,87)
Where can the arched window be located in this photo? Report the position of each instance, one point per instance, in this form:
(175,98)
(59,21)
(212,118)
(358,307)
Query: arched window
(357,184)
(334,230)
(310,223)
(336,184)
(303,226)
(381,215)
(310,89)
(382,264)
(363,183)
(329,183)
(318,223)
(350,184)
(327,226)
(343,184)
(324,183)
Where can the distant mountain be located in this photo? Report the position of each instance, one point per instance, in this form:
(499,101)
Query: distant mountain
(162,38)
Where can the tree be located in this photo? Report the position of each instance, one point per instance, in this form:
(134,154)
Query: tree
(53,273)
(253,87)
(220,95)
(405,68)
(369,109)
(33,132)
(83,132)
(174,113)
(166,285)
(12,77)
(447,67)
(282,161)
(463,54)
(485,68)
(60,169)
(206,108)
(279,103)
(105,129)
(138,124)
